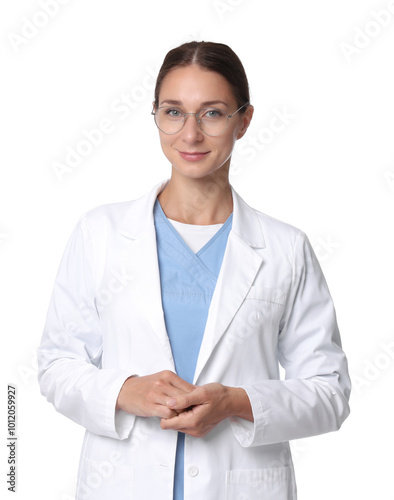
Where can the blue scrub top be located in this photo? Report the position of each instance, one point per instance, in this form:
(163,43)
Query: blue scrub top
(188,281)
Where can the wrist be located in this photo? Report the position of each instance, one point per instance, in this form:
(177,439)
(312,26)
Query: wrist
(239,404)
(119,401)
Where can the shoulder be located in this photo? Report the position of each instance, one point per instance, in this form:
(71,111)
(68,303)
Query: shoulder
(277,226)
(133,216)
(290,242)
(271,227)
(111,212)
(104,219)
(285,240)
(280,242)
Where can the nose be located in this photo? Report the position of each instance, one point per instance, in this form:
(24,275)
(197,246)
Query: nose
(191,130)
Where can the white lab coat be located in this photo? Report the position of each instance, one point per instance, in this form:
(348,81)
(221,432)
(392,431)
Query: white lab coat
(105,323)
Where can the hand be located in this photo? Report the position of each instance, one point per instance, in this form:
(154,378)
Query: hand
(147,396)
(203,408)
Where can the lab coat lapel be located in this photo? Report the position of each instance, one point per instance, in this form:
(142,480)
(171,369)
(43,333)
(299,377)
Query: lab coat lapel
(241,262)
(240,265)
(141,254)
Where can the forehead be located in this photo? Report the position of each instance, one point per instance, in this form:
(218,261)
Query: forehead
(194,85)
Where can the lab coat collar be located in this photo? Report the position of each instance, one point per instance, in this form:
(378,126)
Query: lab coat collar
(140,218)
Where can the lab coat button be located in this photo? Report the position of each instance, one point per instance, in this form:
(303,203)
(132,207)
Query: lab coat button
(193,471)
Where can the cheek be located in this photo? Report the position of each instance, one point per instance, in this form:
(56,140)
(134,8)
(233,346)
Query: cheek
(227,142)
(165,141)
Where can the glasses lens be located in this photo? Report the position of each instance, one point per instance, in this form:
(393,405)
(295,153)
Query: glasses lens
(169,119)
(213,121)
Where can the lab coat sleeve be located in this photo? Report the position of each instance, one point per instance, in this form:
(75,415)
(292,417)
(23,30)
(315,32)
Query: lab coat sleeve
(69,356)
(313,398)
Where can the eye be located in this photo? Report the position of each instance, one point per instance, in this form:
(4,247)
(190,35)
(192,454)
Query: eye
(212,113)
(173,112)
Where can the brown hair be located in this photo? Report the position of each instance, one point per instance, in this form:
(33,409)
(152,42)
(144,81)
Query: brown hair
(212,56)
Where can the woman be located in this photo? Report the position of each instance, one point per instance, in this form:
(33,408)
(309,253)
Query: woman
(170,314)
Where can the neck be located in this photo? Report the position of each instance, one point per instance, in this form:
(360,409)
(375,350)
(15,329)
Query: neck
(203,201)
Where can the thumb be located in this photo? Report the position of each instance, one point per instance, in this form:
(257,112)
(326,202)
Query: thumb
(184,401)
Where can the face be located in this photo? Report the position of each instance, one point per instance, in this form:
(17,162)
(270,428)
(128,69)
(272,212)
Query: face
(191,152)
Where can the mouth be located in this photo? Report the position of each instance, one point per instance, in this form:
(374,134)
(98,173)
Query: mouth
(193,156)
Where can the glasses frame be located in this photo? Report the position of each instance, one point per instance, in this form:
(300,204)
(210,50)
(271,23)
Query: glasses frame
(197,115)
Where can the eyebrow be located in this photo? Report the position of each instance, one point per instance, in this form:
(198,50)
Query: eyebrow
(173,102)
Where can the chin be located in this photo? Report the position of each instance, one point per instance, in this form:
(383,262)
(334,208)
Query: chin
(197,170)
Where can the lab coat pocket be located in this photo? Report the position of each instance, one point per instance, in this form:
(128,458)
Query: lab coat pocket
(264,308)
(103,479)
(254,484)
(271,295)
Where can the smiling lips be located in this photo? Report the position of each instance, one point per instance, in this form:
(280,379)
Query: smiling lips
(193,156)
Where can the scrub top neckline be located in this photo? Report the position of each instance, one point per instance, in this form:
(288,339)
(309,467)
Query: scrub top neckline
(207,245)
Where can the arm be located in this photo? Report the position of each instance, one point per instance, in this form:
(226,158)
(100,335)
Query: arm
(314,397)
(69,356)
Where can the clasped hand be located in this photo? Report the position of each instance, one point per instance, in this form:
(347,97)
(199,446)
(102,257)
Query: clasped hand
(194,410)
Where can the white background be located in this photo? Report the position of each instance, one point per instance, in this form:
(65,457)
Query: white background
(330,171)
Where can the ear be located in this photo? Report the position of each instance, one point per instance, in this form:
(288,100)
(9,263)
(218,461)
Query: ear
(246,119)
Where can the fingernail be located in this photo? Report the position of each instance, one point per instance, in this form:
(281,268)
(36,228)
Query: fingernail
(171,402)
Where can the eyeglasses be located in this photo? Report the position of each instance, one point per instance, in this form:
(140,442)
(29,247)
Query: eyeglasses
(212,121)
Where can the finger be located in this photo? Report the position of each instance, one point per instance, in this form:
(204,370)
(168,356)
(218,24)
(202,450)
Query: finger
(180,421)
(172,392)
(181,384)
(169,393)
(163,412)
(189,420)
(185,401)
